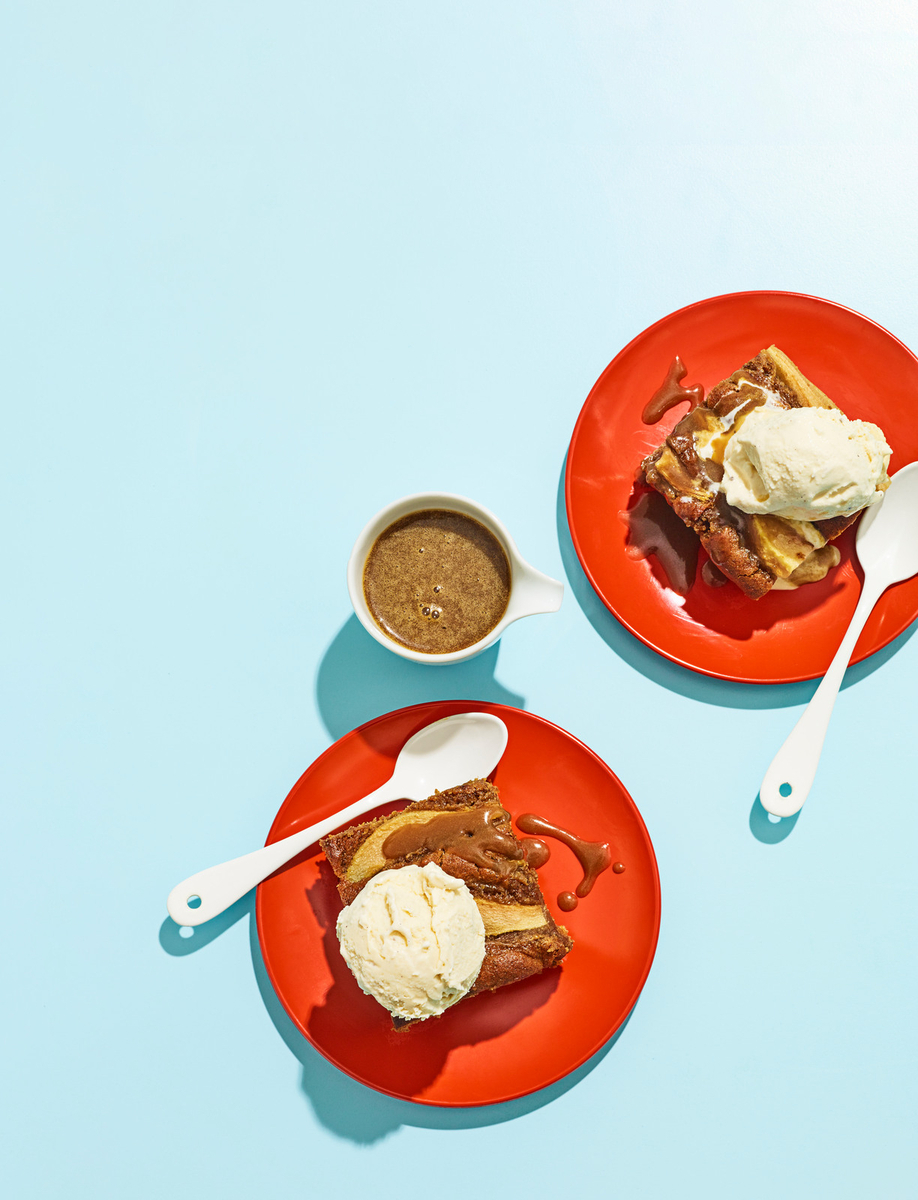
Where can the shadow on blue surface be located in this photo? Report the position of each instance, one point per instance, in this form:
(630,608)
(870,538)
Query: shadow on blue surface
(179,940)
(358,679)
(346,1108)
(363,1116)
(766,828)
(655,667)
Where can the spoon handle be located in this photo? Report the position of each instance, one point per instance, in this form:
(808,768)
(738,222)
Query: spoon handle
(220,886)
(795,764)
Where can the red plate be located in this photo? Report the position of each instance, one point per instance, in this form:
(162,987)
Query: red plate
(503,1044)
(786,636)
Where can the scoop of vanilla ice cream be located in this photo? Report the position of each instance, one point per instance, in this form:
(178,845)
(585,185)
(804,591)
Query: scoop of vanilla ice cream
(804,463)
(414,939)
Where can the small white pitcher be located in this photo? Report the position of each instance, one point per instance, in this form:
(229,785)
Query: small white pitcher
(531,592)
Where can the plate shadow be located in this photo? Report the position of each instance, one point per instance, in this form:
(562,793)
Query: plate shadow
(360,1115)
(720,692)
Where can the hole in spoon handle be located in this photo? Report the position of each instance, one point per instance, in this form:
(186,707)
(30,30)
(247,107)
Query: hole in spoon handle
(788,780)
(187,906)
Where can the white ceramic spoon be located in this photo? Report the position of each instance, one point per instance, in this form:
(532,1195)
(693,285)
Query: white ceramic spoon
(887,546)
(443,754)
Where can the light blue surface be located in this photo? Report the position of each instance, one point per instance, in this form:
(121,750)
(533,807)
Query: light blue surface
(268,267)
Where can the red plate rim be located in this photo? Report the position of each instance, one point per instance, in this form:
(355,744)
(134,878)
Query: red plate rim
(859,655)
(435,710)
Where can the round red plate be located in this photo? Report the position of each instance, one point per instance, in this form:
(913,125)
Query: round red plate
(786,636)
(503,1044)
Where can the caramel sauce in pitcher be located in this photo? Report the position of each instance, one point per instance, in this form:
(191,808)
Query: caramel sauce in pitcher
(436,581)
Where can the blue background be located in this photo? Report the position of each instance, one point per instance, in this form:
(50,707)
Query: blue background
(267,267)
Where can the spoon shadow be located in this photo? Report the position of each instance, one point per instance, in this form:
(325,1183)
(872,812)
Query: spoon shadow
(768,829)
(182,940)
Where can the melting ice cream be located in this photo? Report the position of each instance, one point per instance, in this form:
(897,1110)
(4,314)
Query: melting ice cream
(414,939)
(805,464)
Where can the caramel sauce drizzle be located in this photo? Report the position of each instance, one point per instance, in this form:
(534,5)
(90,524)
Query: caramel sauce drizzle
(653,528)
(470,834)
(671,392)
(594,857)
(537,852)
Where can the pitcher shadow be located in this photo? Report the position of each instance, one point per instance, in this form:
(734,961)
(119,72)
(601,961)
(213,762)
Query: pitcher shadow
(359,679)
(720,692)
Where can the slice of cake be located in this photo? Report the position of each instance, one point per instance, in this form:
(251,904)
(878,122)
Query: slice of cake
(756,550)
(467,833)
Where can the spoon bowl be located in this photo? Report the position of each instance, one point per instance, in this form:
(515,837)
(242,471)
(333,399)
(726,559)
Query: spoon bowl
(442,755)
(887,537)
(887,547)
(448,752)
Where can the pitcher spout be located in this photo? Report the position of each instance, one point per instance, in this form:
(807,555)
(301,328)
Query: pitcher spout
(532,592)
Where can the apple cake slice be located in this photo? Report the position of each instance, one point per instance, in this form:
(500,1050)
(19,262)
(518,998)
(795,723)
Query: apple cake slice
(467,832)
(756,551)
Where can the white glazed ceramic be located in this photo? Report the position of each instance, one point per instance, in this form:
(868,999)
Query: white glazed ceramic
(530,591)
(442,755)
(887,546)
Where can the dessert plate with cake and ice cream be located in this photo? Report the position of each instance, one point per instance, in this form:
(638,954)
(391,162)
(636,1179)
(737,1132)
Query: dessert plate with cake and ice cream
(768,472)
(718,470)
(474,946)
